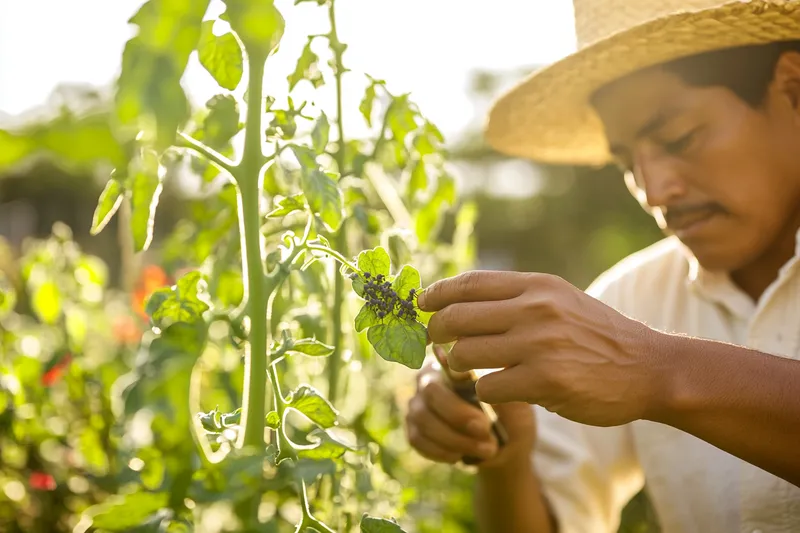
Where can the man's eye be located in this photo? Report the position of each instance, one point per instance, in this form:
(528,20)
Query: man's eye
(680,144)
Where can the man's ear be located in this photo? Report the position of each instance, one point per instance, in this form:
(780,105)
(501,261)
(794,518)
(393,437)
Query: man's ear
(786,80)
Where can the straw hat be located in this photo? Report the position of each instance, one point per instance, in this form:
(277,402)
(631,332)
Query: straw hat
(547,116)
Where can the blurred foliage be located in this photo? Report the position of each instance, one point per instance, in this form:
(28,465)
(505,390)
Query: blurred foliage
(94,404)
(158,448)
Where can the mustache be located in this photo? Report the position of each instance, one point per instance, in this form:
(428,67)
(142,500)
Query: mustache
(674,213)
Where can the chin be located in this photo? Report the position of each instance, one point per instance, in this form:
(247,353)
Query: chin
(717,257)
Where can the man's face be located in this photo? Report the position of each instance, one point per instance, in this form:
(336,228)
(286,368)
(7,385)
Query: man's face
(722,176)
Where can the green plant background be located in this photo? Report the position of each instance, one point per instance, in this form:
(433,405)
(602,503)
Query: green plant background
(77,293)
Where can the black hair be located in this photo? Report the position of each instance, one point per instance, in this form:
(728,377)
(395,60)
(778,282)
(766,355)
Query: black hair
(745,70)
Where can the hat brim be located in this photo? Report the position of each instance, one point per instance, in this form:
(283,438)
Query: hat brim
(547,117)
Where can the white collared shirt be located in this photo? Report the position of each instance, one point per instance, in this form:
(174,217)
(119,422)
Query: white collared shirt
(589,474)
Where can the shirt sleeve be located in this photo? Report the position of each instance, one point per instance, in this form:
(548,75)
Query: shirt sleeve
(588,474)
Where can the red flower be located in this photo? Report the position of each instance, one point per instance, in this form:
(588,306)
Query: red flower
(41,481)
(54,373)
(126,331)
(153,278)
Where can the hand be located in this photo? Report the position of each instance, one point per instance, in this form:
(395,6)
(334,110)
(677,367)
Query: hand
(557,346)
(444,428)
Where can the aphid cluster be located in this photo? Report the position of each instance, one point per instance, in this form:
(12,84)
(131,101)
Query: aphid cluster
(384,300)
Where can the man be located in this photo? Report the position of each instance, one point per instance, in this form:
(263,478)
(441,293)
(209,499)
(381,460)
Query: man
(679,365)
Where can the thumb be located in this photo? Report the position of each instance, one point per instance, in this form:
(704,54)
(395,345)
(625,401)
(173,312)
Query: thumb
(517,417)
(441,357)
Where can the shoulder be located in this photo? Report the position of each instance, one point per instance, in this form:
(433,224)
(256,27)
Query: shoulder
(646,275)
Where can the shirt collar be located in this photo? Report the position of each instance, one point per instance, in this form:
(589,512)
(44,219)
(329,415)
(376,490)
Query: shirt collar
(718,286)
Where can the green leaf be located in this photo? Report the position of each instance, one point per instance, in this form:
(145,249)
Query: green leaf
(8,296)
(429,140)
(221,56)
(401,119)
(446,188)
(429,217)
(183,302)
(313,405)
(210,421)
(321,190)
(371,524)
(258,23)
(305,156)
(320,133)
(325,446)
(149,97)
(15,148)
(366,104)
(152,475)
(375,261)
(407,279)
(366,317)
(46,302)
(91,449)
(230,288)
(108,203)
(401,341)
(310,469)
(307,68)
(419,178)
(121,513)
(222,122)
(162,384)
(273,420)
(289,204)
(145,190)
(231,419)
(311,347)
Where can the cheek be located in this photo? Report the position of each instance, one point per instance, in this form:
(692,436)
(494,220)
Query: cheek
(748,174)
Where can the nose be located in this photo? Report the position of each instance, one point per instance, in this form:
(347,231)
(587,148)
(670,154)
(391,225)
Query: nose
(660,180)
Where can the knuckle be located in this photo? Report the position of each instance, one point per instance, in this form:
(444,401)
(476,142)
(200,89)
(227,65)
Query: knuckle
(534,302)
(433,290)
(457,357)
(468,281)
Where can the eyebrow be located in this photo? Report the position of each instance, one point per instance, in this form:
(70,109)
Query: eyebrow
(653,124)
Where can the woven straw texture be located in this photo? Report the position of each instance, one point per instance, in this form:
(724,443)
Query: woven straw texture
(547,116)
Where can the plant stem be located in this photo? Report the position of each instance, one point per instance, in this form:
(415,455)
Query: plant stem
(333,253)
(190,143)
(308,519)
(340,241)
(248,178)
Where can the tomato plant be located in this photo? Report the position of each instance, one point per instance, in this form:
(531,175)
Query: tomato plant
(308,247)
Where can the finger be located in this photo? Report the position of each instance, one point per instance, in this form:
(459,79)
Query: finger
(429,449)
(441,357)
(459,414)
(473,286)
(509,385)
(490,351)
(471,318)
(433,429)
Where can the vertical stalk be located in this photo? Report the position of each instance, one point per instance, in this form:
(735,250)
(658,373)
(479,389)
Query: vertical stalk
(248,179)
(340,241)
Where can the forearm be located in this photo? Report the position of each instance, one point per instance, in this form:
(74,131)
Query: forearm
(508,500)
(740,400)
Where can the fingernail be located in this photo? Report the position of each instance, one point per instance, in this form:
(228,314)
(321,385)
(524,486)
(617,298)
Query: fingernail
(477,428)
(421,300)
